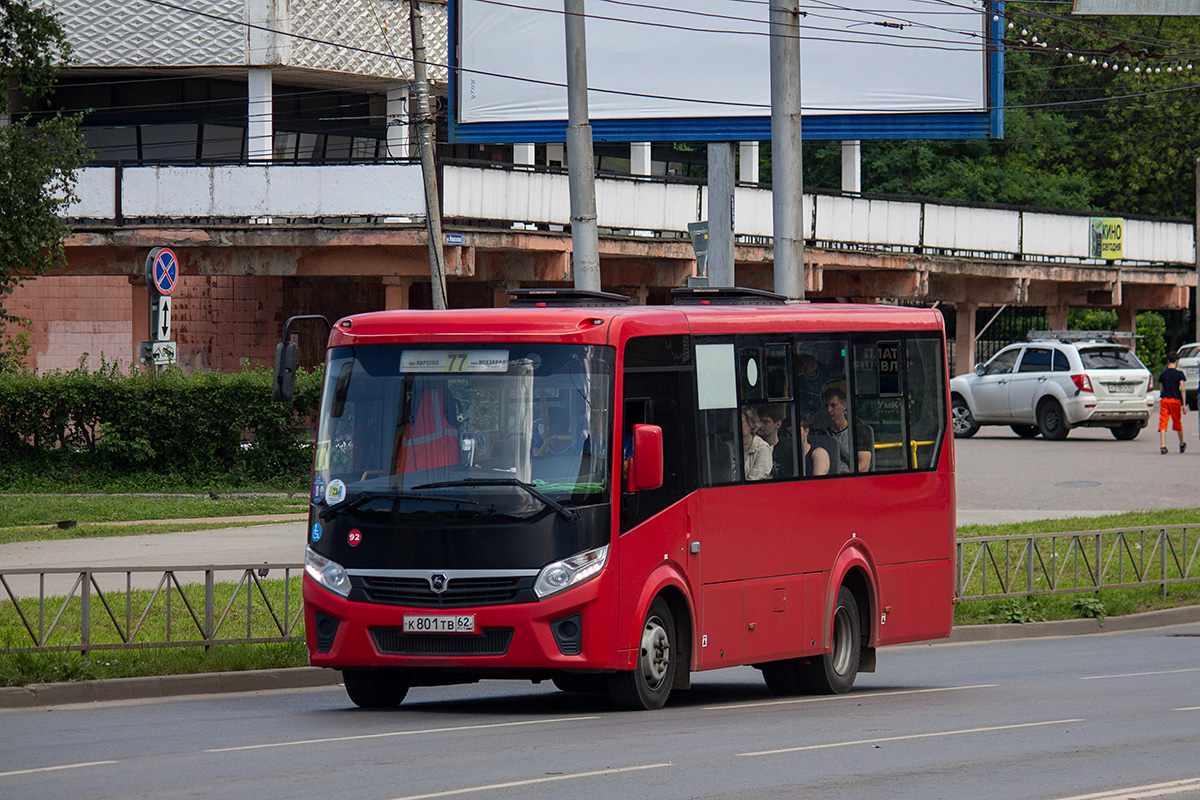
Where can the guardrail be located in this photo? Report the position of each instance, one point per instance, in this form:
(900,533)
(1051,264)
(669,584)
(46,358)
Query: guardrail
(1077,561)
(124,608)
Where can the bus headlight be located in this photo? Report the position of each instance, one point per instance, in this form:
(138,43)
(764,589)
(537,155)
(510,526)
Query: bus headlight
(570,571)
(329,574)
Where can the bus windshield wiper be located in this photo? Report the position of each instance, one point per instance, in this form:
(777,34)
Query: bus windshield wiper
(567,514)
(357,500)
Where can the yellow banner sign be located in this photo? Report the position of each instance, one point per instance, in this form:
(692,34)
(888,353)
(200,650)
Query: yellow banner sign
(1107,238)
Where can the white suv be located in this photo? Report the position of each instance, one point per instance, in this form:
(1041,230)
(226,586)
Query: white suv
(1056,381)
(1189,362)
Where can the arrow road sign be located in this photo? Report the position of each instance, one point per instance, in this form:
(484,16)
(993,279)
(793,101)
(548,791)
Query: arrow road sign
(162,326)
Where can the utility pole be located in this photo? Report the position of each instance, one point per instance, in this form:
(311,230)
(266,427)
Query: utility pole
(581,165)
(425,133)
(787,175)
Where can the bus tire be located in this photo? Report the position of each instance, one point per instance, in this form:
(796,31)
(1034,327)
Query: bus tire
(376,688)
(834,672)
(647,685)
(784,677)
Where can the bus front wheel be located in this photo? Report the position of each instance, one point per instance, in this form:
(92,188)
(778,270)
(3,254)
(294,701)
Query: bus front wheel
(835,671)
(376,688)
(649,683)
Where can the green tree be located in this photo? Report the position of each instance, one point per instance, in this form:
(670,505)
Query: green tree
(38,158)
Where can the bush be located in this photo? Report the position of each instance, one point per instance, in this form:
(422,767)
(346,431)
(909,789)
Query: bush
(203,429)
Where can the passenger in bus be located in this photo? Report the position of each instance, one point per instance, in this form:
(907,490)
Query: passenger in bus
(756,453)
(862,453)
(556,436)
(772,431)
(816,458)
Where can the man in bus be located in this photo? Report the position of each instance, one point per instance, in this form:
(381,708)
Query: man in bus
(862,454)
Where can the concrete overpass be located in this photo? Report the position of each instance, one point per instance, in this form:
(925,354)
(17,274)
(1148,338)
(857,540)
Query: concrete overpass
(259,243)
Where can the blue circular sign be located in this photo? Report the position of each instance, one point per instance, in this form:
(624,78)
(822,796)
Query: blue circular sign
(165,270)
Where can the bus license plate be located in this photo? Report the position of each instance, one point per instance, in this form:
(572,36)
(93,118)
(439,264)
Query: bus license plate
(439,623)
(1121,388)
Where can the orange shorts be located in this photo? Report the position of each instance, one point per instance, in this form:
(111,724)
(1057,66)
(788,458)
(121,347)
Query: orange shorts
(1169,409)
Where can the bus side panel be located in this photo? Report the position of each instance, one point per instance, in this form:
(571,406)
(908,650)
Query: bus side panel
(916,601)
(774,617)
(721,632)
(660,541)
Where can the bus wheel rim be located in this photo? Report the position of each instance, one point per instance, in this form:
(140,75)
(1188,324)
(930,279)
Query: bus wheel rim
(656,652)
(843,631)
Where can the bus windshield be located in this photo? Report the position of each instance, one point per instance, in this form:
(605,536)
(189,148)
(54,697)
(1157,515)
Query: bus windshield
(505,429)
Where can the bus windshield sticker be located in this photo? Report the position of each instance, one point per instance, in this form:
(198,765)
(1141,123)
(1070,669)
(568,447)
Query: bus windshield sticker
(322,460)
(318,489)
(716,375)
(454,361)
(335,492)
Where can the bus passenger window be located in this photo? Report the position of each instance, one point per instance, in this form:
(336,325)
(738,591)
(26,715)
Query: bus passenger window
(926,402)
(879,409)
(719,443)
(775,428)
(820,390)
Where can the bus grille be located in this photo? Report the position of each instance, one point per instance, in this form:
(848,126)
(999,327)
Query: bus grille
(395,642)
(459,591)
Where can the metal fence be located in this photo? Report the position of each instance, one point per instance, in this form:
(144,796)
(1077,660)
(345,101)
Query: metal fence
(123,608)
(1077,561)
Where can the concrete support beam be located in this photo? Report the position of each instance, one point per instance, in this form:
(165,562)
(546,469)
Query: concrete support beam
(1056,318)
(260,112)
(964,338)
(1127,318)
(139,311)
(395,292)
(720,214)
(397,121)
(748,162)
(852,167)
(524,154)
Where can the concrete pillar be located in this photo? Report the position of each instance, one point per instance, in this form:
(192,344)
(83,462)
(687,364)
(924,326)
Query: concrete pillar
(395,292)
(397,121)
(139,315)
(720,214)
(554,155)
(500,296)
(964,338)
(525,154)
(851,166)
(1056,318)
(748,162)
(1126,318)
(639,158)
(260,112)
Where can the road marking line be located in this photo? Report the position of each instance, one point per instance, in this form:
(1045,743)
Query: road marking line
(856,695)
(909,736)
(532,781)
(360,737)
(1135,792)
(1189,708)
(53,769)
(1138,674)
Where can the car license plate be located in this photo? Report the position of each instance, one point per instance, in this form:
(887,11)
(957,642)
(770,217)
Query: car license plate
(1121,388)
(439,623)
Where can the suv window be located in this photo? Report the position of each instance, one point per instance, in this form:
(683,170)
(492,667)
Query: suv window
(1036,359)
(1189,352)
(1109,358)
(1061,362)
(1002,363)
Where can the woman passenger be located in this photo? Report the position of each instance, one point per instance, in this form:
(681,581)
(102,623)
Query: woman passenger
(756,453)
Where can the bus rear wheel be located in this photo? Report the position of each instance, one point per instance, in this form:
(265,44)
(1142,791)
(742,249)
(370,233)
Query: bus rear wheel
(647,685)
(376,688)
(834,672)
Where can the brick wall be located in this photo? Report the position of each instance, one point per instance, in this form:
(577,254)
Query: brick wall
(73,316)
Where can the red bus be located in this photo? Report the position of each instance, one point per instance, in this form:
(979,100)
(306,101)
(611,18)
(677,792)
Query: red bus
(613,497)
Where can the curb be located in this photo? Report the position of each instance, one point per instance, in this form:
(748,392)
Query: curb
(36,695)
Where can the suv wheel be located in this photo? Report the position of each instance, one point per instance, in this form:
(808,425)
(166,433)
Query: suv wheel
(1126,431)
(1025,431)
(962,421)
(1052,421)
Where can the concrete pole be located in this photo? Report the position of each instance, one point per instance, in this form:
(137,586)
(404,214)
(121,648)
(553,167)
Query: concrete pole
(1196,246)
(639,158)
(852,166)
(581,164)
(787,176)
(425,131)
(720,214)
(259,111)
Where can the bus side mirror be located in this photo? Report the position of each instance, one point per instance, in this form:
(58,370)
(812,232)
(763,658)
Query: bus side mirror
(646,471)
(284,383)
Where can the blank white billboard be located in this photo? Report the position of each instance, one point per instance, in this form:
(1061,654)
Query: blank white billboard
(653,67)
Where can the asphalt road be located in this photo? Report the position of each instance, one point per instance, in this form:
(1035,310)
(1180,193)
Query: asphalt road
(1021,720)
